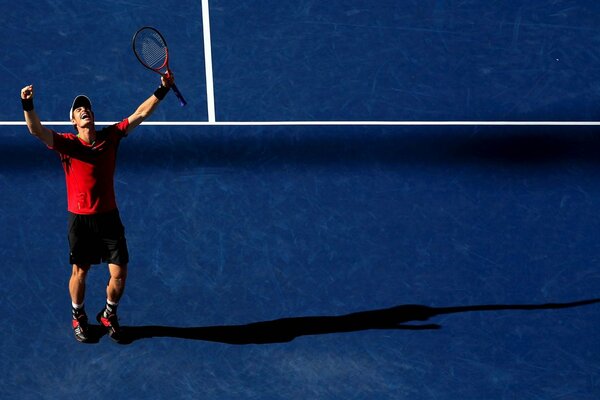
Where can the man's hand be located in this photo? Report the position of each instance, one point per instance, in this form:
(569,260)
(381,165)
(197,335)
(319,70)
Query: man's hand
(167,79)
(27,92)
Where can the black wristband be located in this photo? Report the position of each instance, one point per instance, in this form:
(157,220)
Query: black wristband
(161,92)
(27,104)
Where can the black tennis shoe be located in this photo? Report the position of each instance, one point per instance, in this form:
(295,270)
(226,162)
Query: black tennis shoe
(80,327)
(110,322)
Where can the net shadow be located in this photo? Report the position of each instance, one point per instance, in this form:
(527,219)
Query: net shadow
(250,147)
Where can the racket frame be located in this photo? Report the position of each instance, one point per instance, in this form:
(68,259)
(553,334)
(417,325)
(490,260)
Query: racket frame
(165,64)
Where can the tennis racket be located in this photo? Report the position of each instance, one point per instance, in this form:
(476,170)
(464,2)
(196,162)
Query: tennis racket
(150,48)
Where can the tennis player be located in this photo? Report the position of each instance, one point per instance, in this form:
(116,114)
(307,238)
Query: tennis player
(95,231)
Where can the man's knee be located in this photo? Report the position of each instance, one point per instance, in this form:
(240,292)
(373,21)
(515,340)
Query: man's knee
(80,270)
(118,272)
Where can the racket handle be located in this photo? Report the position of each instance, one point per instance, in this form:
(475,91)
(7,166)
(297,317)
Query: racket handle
(179,96)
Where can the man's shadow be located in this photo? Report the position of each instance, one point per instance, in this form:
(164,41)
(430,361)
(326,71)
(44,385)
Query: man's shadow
(287,329)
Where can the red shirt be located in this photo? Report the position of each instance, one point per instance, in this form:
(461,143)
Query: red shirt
(90,168)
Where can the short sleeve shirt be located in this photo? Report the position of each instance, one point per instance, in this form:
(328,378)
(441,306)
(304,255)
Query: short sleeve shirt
(90,168)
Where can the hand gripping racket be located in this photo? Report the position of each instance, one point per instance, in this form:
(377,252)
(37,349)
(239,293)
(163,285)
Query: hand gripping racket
(150,48)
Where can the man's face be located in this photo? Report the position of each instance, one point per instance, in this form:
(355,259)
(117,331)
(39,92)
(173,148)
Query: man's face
(83,117)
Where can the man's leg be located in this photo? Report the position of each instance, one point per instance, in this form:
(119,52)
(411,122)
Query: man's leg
(114,291)
(77,283)
(77,292)
(116,284)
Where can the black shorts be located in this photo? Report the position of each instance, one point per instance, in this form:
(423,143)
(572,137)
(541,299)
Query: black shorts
(97,238)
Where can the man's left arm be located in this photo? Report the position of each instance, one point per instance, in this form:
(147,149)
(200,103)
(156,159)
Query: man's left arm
(147,107)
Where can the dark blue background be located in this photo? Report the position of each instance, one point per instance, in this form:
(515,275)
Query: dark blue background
(231,228)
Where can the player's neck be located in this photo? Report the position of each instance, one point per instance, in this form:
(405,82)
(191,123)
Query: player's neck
(88,135)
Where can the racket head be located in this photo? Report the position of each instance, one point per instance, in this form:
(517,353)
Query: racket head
(150,48)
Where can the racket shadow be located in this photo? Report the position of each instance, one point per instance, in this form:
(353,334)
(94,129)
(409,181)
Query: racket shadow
(285,330)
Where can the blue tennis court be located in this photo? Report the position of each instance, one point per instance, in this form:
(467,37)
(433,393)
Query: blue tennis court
(361,200)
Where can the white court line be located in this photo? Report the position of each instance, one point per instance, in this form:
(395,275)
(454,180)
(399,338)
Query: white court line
(376,123)
(210,90)
(330,123)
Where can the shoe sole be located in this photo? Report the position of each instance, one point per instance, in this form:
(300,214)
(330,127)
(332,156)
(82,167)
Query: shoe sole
(82,340)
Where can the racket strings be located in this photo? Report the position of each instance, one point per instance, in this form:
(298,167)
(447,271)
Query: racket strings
(151,50)
(154,56)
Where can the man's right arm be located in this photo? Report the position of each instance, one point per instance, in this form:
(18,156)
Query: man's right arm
(32,120)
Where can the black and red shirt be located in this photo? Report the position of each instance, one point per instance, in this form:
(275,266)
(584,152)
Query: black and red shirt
(90,168)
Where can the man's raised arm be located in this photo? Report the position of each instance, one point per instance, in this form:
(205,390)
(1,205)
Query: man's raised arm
(31,118)
(149,105)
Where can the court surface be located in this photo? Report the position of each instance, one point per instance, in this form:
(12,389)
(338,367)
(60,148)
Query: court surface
(362,200)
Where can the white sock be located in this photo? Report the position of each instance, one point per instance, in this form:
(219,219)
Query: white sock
(77,309)
(111,307)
